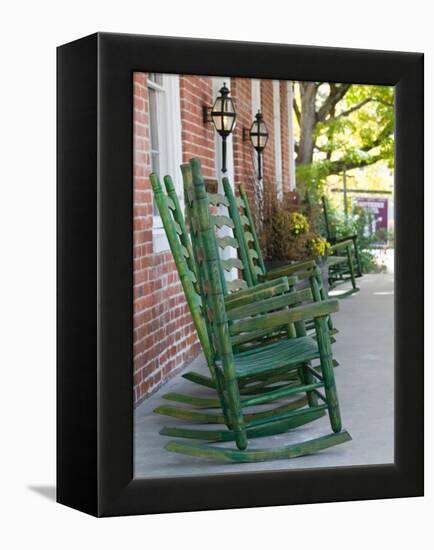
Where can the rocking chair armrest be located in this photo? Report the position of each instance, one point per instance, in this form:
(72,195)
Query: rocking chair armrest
(290,269)
(342,244)
(270,304)
(257,293)
(286,316)
(306,274)
(342,239)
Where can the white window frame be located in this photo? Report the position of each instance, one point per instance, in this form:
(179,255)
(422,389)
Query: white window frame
(256,96)
(291,159)
(277,138)
(170,146)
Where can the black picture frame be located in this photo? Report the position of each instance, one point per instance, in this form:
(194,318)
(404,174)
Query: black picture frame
(95,269)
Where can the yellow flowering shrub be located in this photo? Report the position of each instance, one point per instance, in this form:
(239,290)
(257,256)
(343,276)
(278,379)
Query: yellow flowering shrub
(286,233)
(319,246)
(298,224)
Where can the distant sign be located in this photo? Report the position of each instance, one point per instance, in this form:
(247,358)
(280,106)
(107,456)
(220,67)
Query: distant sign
(376,220)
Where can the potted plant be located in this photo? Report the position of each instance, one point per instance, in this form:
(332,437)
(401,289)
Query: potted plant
(288,236)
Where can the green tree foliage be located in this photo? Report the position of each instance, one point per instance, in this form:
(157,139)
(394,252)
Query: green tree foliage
(341,127)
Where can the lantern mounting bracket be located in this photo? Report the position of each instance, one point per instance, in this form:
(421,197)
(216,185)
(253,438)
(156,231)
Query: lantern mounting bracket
(206,113)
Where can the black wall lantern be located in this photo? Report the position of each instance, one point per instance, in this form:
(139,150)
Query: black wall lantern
(224,118)
(259,136)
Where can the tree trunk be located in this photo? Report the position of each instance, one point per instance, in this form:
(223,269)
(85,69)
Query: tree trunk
(307,122)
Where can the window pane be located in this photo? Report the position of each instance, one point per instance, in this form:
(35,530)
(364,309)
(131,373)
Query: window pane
(155,141)
(153,122)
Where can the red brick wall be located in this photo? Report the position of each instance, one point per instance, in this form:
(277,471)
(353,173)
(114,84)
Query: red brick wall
(197,137)
(268,154)
(164,335)
(284,134)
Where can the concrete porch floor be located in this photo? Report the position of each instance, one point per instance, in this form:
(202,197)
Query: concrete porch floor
(365,380)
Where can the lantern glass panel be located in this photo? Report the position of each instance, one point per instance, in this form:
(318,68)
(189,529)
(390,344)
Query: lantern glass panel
(228,106)
(218,105)
(254,135)
(262,141)
(228,123)
(217,120)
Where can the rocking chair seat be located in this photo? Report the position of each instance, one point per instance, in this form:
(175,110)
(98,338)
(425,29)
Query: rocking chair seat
(280,355)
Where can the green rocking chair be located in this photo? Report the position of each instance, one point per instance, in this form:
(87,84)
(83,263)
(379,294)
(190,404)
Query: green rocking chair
(232,368)
(180,245)
(344,264)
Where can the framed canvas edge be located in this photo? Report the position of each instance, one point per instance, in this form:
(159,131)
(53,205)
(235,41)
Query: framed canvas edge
(76,349)
(117,493)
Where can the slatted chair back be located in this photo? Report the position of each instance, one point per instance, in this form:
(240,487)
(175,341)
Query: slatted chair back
(180,246)
(179,220)
(240,210)
(209,270)
(226,235)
